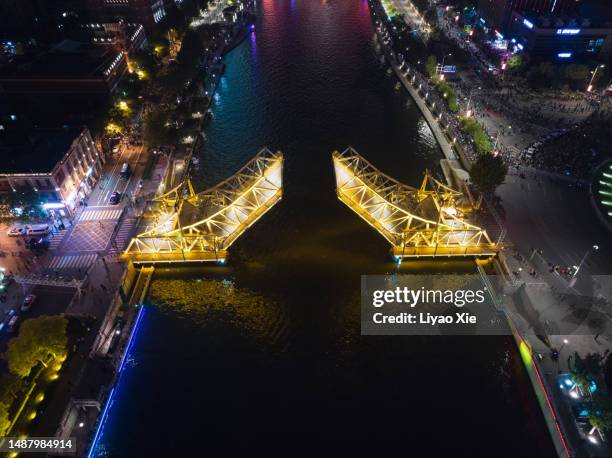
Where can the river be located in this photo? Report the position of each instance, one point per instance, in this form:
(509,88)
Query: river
(263,356)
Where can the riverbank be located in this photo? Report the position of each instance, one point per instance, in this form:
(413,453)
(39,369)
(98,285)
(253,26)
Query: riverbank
(460,161)
(129,299)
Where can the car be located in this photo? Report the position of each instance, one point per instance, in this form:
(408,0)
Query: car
(125,171)
(28,301)
(37,229)
(12,324)
(16,231)
(115,197)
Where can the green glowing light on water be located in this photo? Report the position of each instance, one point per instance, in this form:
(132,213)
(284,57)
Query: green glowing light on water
(605,183)
(606,193)
(607,175)
(607,203)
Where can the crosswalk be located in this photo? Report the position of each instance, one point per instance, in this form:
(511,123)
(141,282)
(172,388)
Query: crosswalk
(57,239)
(123,235)
(98,214)
(80,261)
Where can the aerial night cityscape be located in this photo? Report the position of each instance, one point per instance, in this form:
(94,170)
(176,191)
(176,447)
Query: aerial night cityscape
(349,228)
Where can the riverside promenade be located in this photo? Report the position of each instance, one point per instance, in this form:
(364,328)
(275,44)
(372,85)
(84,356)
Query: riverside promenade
(558,418)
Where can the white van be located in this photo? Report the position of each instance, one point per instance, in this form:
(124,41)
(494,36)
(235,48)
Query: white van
(37,229)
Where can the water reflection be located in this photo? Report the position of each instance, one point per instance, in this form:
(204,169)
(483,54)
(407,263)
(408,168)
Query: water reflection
(267,350)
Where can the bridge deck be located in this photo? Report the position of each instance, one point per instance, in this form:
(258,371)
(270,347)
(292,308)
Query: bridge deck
(429,221)
(145,259)
(190,227)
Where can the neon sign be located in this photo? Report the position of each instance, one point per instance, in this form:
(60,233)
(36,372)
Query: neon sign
(568,31)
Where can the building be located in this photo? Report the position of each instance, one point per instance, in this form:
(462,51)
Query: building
(496,13)
(561,38)
(122,36)
(61,165)
(69,67)
(145,12)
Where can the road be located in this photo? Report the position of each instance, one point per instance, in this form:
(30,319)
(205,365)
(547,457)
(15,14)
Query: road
(112,180)
(413,18)
(556,217)
(98,229)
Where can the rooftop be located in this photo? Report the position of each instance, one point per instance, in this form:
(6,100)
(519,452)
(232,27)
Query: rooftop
(36,152)
(66,59)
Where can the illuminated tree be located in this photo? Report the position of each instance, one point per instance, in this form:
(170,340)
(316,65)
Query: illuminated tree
(475,130)
(515,63)
(38,339)
(586,370)
(5,421)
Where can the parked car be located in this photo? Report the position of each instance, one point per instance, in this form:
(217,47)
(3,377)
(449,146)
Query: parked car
(115,198)
(37,229)
(28,301)
(12,324)
(16,231)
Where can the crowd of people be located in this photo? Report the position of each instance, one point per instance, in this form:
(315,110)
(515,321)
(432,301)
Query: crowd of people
(566,136)
(575,152)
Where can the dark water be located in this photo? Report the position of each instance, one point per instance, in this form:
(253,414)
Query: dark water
(264,357)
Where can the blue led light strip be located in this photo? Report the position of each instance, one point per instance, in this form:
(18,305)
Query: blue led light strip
(110,400)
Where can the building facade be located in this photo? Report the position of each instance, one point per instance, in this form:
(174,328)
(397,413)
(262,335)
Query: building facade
(145,12)
(497,13)
(61,165)
(556,38)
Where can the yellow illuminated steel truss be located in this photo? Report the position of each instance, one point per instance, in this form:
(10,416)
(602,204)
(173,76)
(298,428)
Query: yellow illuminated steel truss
(428,221)
(190,226)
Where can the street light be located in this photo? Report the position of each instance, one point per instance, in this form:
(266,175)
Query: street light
(590,86)
(468,111)
(442,66)
(582,261)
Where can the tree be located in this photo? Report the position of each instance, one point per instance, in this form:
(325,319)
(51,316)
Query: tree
(515,63)
(38,339)
(475,130)
(448,93)
(155,128)
(27,201)
(577,72)
(546,70)
(431,66)
(191,49)
(10,386)
(586,370)
(601,412)
(144,60)
(5,421)
(488,172)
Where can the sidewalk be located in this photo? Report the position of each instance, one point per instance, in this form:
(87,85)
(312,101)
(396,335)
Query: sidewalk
(549,314)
